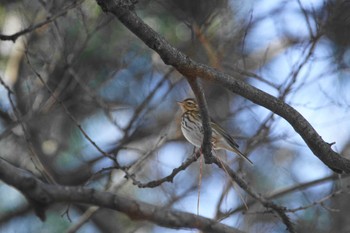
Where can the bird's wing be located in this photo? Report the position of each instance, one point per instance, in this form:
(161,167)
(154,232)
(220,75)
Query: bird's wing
(226,135)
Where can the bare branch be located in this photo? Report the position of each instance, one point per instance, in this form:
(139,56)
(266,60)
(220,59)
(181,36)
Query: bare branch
(320,202)
(190,68)
(170,177)
(206,144)
(48,20)
(279,210)
(280,193)
(45,194)
(79,126)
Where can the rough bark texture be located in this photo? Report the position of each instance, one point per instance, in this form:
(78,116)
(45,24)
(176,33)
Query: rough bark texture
(191,69)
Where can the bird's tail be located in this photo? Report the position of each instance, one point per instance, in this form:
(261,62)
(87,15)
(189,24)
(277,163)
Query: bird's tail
(235,150)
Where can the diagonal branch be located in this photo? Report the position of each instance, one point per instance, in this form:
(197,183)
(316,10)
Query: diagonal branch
(169,178)
(189,68)
(43,194)
(279,210)
(289,190)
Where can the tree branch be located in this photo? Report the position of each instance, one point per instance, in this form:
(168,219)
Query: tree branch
(169,178)
(199,93)
(14,37)
(41,195)
(279,210)
(189,68)
(283,192)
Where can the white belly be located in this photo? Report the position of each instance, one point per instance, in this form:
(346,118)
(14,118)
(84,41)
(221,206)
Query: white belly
(193,133)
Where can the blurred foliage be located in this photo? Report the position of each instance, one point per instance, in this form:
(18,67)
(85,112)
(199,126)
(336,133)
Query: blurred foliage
(102,81)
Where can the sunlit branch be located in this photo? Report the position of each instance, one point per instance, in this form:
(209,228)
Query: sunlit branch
(83,219)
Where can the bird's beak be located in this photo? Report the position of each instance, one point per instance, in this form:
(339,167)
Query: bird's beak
(181,105)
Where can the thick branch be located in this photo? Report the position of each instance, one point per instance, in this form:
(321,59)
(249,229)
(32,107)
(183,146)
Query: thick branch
(42,194)
(190,68)
(198,91)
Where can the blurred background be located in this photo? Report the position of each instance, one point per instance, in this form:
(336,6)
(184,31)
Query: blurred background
(85,78)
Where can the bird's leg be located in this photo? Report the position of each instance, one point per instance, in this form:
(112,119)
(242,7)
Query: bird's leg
(198,152)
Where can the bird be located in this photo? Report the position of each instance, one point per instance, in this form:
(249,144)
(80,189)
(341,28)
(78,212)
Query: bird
(192,129)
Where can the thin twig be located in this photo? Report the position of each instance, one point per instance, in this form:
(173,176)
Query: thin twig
(46,194)
(33,155)
(170,177)
(279,210)
(190,69)
(69,114)
(48,20)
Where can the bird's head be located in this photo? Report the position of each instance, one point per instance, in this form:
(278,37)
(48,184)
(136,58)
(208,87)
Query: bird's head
(188,105)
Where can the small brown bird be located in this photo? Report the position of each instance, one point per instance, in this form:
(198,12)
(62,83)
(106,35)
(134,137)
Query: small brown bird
(191,127)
